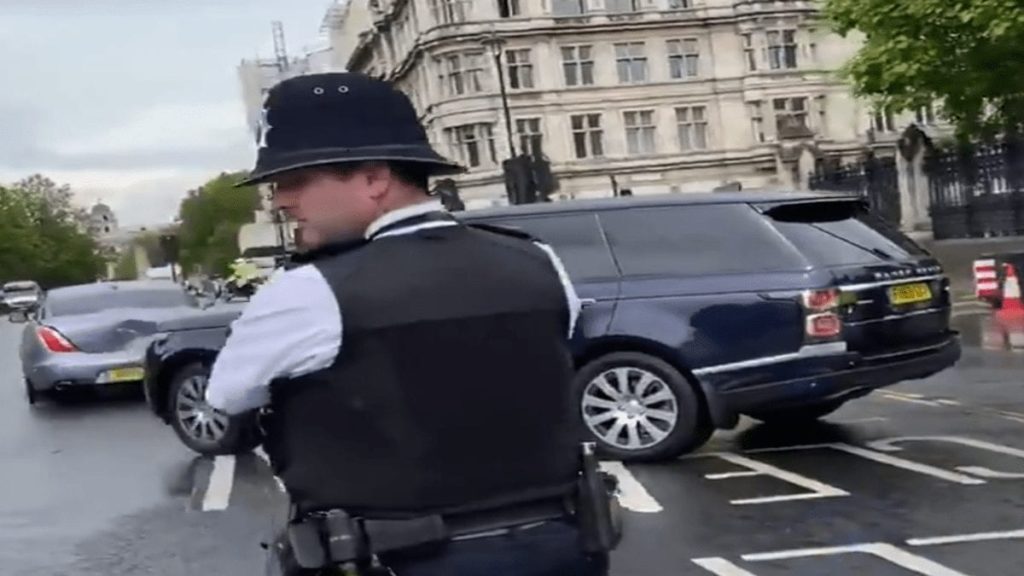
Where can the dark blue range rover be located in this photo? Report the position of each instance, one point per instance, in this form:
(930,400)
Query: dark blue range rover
(700,308)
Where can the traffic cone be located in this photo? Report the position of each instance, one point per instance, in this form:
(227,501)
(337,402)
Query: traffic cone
(1012,305)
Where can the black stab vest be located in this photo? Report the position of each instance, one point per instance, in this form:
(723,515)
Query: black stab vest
(451,390)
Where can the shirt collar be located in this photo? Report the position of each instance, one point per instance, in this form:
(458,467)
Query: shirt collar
(389,218)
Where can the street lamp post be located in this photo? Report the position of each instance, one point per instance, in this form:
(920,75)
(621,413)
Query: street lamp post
(495,44)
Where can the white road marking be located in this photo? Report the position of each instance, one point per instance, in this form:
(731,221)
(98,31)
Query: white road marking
(218,492)
(977,537)
(881,459)
(817,489)
(860,420)
(1017,419)
(632,494)
(947,402)
(787,448)
(721,567)
(889,445)
(886,552)
(908,464)
(727,475)
(909,399)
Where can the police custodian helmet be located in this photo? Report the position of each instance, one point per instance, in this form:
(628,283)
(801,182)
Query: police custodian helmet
(336,118)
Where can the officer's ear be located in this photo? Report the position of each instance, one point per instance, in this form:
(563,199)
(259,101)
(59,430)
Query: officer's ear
(379,178)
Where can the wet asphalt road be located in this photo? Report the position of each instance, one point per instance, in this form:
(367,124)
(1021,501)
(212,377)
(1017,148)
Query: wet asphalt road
(925,478)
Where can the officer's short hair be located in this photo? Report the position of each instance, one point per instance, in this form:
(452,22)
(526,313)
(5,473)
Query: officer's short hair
(412,173)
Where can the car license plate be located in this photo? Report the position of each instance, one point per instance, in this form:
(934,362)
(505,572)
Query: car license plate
(910,293)
(125,375)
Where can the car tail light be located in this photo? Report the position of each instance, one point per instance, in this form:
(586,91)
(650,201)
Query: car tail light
(826,325)
(821,314)
(821,300)
(54,341)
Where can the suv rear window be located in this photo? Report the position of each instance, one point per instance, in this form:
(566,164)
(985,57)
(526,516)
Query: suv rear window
(576,238)
(696,240)
(841,233)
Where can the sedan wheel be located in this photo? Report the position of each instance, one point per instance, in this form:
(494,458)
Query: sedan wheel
(198,425)
(638,407)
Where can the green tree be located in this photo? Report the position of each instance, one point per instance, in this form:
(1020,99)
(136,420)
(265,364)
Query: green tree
(210,219)
(966,54)
(43,236)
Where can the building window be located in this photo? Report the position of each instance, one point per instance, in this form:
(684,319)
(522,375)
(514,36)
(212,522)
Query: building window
(449,11)
(508,8)
(683,58)
(530,137)
(569,7)
(639,132)
(756,111)
(692,127)
(748,52)
(578,64)
(520,70)
(473,144)
(791,116)
(679,4)
(631,62)
(623,6)
(884,121)
(781,49)
(462,74)
(925,115)
(587,135)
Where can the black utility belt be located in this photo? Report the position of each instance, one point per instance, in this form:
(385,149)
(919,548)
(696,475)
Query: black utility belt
(335,537)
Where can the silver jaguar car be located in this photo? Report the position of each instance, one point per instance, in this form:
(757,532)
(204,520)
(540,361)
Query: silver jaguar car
(94,334)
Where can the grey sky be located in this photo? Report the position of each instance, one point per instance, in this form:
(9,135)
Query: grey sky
(134,101)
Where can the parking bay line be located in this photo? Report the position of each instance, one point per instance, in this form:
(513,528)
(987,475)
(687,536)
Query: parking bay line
(721,567)
(882,459)
(887,552)
(632,494)
(218,492)
(976,537)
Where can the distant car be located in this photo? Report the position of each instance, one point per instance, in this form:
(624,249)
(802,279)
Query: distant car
(700,308)
(20,294)
(94,334)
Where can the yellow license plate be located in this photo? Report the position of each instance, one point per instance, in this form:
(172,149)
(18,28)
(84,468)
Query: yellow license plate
(125,375)
(909,293)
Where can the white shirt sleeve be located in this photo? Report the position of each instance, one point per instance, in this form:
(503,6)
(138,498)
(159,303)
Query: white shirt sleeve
(570,291)
(292,326)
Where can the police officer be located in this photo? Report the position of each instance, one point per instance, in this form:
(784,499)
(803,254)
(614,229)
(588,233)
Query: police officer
(415,369)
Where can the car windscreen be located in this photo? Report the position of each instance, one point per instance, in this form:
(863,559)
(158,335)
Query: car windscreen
(836,233)
(59,304)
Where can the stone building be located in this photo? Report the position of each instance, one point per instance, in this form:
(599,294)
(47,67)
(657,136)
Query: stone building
(661,95)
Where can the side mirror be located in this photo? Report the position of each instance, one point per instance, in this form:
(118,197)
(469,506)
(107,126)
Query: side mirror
(18,317)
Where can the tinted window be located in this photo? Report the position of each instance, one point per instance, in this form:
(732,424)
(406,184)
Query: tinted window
(840,233)
(576,238)
(696,240)
(65,304)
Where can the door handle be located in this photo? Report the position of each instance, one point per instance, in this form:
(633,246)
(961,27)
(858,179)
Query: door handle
(584,302)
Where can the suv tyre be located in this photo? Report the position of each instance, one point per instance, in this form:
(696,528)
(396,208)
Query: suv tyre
(197,425)
(638,407)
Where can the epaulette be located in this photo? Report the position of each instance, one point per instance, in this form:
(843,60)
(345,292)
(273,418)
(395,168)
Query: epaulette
(504,230)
